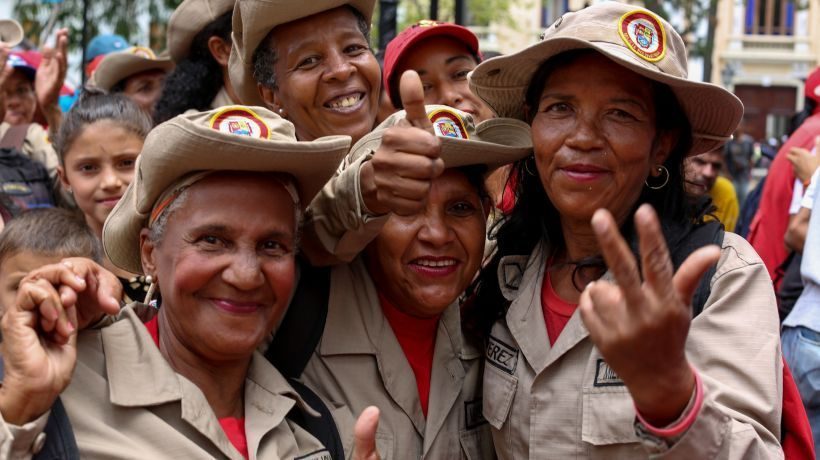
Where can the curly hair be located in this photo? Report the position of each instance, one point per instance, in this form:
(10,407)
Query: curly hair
(534,219)
(197,79)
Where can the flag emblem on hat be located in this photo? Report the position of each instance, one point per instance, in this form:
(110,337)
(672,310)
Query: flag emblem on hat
(447,123)
(643,33)
(240,121)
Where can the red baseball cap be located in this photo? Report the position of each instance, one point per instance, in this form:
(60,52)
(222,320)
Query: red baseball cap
(403,42)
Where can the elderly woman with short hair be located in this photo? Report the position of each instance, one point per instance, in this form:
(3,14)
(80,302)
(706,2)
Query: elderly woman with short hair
(217,231)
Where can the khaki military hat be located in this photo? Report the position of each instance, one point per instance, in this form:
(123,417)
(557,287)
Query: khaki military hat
(190,17)
(630,36)
(254,19)
(232,138)
(118,66)
(11,32)
(492,143)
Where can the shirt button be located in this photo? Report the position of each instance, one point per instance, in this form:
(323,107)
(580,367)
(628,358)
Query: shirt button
(39,442)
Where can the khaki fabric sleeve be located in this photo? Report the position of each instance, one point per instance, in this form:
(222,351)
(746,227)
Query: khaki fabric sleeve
(18,442)
(338,225)
(37,146)
(734,344)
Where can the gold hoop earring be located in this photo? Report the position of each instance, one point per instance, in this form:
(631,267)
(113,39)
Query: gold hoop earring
(527,165)
(661,169)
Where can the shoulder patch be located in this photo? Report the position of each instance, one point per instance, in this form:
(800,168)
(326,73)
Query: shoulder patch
(323,454)
(447,123)
(240,121)
(643,33)
(501,355)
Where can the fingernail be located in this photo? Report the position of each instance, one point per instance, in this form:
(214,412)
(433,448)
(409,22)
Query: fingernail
(599,224)
(80,279)
(70,327)
(68,264)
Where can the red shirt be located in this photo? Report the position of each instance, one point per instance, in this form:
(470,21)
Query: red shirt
(417,337)
(234,427)
(557,311)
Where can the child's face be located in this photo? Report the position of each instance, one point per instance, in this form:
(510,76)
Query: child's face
(98,168)
(15,268)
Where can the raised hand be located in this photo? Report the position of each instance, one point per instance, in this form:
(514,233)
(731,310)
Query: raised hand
(50,77)
(364,435)
(640,327)
(39,351)
(398,177)
(804,162)
(5,73)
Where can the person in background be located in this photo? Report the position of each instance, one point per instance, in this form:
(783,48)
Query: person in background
(98,47)
(740,158)
(770,222)
(199,42)
(99,144)
(136,73)
(702,177)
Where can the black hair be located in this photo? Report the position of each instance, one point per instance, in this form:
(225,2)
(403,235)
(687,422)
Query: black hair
(798,118)
(534,219)
(51,231)
(264,57)
(196,79)
(93,106)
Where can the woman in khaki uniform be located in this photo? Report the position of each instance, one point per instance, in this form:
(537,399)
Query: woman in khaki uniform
(591,348)
(393,336)
(217,232)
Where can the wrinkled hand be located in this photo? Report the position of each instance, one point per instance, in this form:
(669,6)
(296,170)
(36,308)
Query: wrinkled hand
(640,328)
(398,177)
(86,289)
(39,351)
(5,73)
(51,74)
(804,162)
(364,435)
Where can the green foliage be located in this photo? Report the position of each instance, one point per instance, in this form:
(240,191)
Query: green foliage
(479,12)
(117,15)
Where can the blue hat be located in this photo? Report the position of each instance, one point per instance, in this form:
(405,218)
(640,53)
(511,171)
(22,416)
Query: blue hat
(104,44)
(18,62)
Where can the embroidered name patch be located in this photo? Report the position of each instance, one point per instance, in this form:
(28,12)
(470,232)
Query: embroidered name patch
(240,121)
(323,454)
(473,413)
(501,355)
(447,123)
(644,34)
(605,376)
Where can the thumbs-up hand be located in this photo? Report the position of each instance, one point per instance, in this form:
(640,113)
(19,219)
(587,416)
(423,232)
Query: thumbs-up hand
(398,177)
(364,435)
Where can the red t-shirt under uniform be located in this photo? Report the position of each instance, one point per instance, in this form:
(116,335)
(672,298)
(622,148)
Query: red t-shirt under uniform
(417,338)
(557,311)
(234,427)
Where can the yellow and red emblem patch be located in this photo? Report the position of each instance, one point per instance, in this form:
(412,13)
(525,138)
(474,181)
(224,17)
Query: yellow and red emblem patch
(240,121)
(448,123)
(643,33)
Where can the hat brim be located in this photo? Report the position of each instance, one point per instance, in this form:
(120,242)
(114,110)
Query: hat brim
(118,66)
(502,82)
(496,142)
(177,148)
(187,21)
(246,41)
(11,32)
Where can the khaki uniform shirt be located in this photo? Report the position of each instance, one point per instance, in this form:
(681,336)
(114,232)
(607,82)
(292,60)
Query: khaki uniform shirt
(125,401)
(564,401)
(359,363)
(222,99)
(37,146)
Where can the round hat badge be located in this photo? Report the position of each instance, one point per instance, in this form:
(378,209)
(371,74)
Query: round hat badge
(447,123)
(644,34)
(240,121)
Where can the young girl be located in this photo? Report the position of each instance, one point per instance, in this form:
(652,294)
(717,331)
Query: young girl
(98,144)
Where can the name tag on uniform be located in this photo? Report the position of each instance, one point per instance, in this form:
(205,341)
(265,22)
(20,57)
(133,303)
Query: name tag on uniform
(605,376)
(501,355)
(473,413)
(323,454)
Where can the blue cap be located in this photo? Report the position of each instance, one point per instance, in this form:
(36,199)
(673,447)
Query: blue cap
(104,44)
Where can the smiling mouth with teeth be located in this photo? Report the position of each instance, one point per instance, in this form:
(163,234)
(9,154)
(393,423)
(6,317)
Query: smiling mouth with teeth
(435,263)
(345,102)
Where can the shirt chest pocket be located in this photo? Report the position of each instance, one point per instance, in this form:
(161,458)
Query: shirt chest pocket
(608,416)
(498,394)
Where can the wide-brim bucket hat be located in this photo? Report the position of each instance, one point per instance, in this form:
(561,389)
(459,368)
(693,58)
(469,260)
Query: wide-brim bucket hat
(232,138)
(254,19)
(492,143)
(11,32)
(116,67)
(630,36)
(190,17)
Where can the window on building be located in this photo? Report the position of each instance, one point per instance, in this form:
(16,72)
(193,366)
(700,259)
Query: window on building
(770,17)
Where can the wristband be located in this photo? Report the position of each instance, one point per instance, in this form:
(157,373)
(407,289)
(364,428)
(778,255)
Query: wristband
(687,418)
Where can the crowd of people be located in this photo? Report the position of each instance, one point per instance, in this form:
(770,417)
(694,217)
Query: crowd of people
(266,242)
